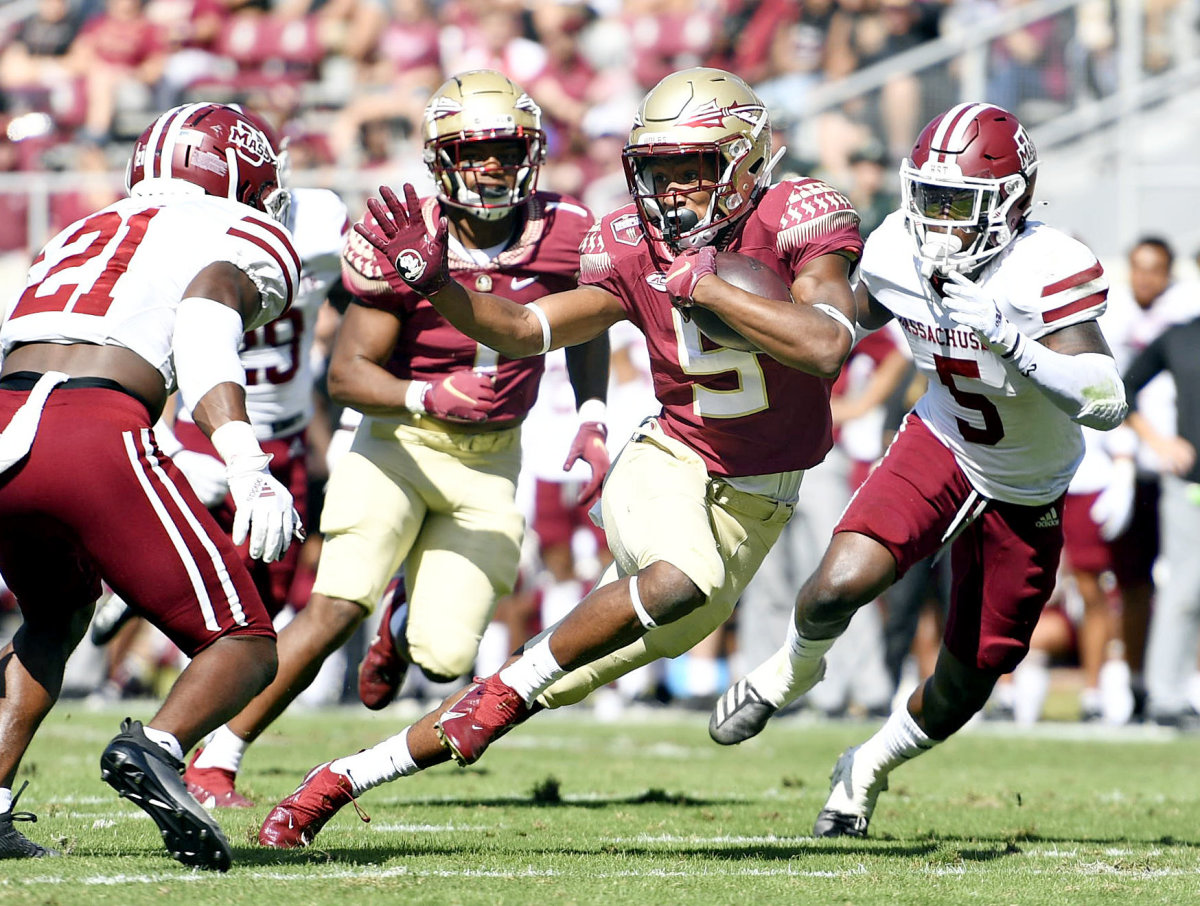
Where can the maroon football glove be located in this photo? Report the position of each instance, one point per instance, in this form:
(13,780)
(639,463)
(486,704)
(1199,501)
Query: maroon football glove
(588,445)
(686,271)
(465,396)
(403,239)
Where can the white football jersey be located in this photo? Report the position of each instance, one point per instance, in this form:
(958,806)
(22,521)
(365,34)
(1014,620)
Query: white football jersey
(117,276)
(1011,442)
(278,356)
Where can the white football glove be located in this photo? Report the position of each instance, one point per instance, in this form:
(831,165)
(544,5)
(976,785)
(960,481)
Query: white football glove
(1113,509)
(206,475)
(969,304)
(263,508)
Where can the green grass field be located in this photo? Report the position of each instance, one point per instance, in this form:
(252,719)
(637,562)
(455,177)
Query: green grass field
(649,811)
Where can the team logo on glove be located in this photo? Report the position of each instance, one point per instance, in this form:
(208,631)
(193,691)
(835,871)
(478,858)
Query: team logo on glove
(410,264)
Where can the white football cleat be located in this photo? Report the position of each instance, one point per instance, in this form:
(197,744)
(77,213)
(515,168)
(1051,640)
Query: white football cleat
(851,801)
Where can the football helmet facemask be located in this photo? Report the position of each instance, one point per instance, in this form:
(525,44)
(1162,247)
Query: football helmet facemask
(211,149)
(972,170)
(469,110)
(711,114)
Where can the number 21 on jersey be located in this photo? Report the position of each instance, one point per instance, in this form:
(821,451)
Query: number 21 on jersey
(82,282)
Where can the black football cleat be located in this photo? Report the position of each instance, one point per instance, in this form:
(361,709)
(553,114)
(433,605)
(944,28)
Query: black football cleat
(152,779)
(838,824)
(13,843)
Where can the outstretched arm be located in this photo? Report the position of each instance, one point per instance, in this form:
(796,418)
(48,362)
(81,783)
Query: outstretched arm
(512,329)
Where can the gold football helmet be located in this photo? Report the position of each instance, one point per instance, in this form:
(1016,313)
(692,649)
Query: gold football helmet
(476,107)
(705,112)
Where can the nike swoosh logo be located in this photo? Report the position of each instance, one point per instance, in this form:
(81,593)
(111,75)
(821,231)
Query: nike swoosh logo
(521,284)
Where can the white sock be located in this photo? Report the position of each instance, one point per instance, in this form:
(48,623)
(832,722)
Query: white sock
(379,764)
(223,750)
(533,672)
(792,670)
(898,740)
(5,799)
(164,739)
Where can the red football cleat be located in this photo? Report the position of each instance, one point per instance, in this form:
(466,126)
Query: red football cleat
(213,787)
(488,711)
(300,817)
(381,673)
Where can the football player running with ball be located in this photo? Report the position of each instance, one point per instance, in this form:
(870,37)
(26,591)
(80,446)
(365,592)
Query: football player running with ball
(430,478)
(151,293)
(702,491)
(1000,312)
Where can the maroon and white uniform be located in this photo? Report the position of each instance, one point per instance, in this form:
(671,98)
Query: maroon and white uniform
(744,413)
(985,457)
(95,498)
(279,377)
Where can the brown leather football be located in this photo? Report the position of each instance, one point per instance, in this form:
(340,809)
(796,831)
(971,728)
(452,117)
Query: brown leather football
(745,273)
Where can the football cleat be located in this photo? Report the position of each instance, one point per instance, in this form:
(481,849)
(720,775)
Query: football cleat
(381,673)
(213,787)
(150,777)
(13,843)
(111,614)
(851,801)
(489,710)
(300,817)
(743,711)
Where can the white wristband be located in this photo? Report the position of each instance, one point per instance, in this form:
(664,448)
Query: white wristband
(827,309)
(234,440)
(541,316)
(414,396)
(592,410)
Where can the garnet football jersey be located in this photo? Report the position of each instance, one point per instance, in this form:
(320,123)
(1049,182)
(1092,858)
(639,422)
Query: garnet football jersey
(744,413)
(117,276)
(544,260)
(1011,441)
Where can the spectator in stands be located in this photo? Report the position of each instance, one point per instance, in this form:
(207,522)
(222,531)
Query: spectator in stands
(123,56)
(41,68)
(189,30)
(395,75)
(869,189)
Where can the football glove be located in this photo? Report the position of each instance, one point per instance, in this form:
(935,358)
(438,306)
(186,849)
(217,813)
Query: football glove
(400,235)
(970,305)
(206,475)
(464,396)
(589,446)
(686,271)
(1112,510)
(263,508)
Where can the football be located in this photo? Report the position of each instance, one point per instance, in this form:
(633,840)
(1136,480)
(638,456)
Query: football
(745,273)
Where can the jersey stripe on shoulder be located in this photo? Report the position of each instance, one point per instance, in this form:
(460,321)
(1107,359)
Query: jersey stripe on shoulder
(812,209)
(1075,293)
(273,240)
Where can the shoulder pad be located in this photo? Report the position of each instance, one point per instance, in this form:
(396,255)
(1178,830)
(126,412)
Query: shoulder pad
(805,209)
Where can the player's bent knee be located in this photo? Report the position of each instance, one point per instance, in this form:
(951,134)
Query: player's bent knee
(667,593)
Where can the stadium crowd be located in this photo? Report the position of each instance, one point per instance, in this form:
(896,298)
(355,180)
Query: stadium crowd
(345,82)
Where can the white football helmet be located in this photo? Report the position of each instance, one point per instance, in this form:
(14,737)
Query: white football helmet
(973,169)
